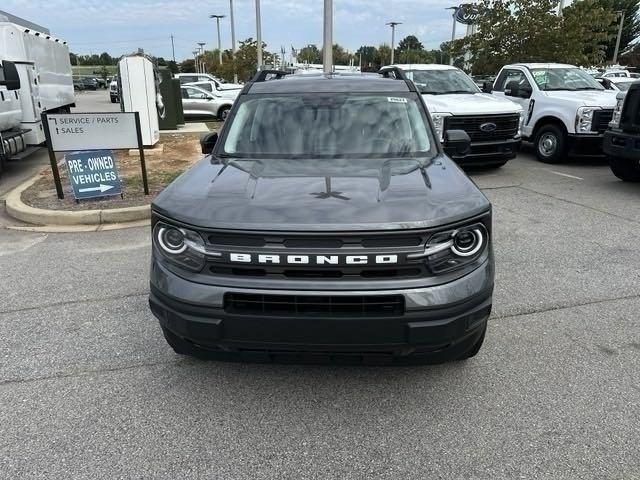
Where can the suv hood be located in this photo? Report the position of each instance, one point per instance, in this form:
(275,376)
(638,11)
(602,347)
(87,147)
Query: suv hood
(321,195)
(470,104)
(586,98)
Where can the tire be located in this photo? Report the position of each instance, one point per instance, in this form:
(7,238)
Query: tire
(550,144)
(223,112)
(627,170)
(113,99)
(475,348)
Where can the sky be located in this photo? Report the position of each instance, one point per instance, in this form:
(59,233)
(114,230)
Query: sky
(123,26)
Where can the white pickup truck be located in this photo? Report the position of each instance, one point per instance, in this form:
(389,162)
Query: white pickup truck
(456,103)
(566,109)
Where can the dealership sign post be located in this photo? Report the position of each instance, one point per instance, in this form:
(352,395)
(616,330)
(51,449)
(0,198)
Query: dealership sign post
(91,136)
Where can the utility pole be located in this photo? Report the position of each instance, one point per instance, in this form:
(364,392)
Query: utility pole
(233,41)
(615,53)
(327,42)
(453,32)
(259,35)
(218,17)
(201,45)
(393,37)
(173,49)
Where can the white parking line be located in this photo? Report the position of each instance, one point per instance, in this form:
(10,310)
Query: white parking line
(565,175)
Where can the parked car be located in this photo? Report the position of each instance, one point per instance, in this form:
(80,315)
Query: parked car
(78,84)
(456,103)
(199,102)
(566,110)
(90,83)
(205,77)
(114,93)
(617,84)
(622,139)
(324,221)
(211,88)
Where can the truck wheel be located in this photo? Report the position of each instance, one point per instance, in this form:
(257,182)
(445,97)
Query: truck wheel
(551,144)
(222,114)
(627,170)
(113,99)
(475,348)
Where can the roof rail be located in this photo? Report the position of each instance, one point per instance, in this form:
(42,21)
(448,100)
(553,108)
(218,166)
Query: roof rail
(262,75)
(397,71)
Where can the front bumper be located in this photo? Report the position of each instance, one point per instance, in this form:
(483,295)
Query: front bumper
(623,145)
(439,323)
(586,145)
(487,153)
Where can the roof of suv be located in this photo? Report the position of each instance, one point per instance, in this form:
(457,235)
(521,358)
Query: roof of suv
(332,83)
(541,65)
(422,66)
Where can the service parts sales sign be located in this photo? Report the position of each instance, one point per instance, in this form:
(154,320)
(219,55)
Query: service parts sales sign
(93,174)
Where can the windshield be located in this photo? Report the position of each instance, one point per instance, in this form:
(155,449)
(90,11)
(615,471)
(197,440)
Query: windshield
(329,125)
(623,86)
(564,79)
(440,82)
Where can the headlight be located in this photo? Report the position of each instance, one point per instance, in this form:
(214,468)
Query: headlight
(617,114)
(438,123)
(452,249)
(521,123)
(584,119)
(185,248)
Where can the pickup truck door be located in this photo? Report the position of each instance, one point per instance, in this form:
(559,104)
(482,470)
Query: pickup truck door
(513,84)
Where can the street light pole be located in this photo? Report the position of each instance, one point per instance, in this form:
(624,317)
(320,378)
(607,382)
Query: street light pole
(195,60)
(259,34)
(560,8)
(233,41)
(393,37)
(201,45)
(327,42)
(453,32)
(218,17)
(615,53)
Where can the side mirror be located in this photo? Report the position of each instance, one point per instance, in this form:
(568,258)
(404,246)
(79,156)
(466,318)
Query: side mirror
(11,78)
(525,92)
(208,142)
(457,142)
(487,86)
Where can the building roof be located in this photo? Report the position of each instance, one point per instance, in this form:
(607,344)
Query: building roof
(332,83)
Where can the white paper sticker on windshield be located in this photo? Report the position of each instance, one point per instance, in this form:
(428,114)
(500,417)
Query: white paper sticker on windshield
(396,100)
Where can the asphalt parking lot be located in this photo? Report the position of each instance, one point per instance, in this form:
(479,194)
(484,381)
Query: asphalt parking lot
(89,389)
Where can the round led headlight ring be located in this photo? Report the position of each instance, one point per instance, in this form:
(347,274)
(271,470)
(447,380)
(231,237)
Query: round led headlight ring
(467,243)
(171,240)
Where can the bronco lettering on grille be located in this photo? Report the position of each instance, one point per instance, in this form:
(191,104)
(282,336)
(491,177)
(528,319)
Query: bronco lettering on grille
(313,259)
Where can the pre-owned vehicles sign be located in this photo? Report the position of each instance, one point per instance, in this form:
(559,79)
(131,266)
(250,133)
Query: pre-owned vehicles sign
(93,174)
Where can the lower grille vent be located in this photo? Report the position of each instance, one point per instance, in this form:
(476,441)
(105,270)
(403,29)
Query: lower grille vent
(314,305)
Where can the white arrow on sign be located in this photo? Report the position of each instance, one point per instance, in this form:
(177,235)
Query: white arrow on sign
(102,188)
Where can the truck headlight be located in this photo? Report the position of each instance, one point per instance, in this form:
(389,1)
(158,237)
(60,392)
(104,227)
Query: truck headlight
(452,249)
(182,247)
(438,124)
(521,124)
(584,119)
(617,114)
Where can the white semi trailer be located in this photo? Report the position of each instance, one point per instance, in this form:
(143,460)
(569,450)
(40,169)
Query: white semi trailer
(35,76)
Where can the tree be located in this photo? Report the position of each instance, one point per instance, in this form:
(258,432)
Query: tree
(187,66)
(366,55)
(173,67)
(246,61)
(73,58)
(631,27)
(309,54)
(512,31)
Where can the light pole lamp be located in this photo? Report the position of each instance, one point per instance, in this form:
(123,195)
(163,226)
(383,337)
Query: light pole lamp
(218,17)
(393,37)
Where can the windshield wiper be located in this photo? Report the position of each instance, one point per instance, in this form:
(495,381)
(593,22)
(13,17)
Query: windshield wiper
(458,91)
(588,88)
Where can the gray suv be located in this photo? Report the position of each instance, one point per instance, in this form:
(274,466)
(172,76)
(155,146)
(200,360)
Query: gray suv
(324,223)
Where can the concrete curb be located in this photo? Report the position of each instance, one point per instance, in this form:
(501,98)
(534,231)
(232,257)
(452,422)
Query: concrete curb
(38,216)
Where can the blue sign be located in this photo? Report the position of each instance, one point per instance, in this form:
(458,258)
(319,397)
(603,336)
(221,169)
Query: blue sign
(467,14)
(93,174)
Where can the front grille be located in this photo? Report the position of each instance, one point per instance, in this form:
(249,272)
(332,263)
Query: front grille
(311,273)
(601,119)
(314,305)
(630,118)
(506,126)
